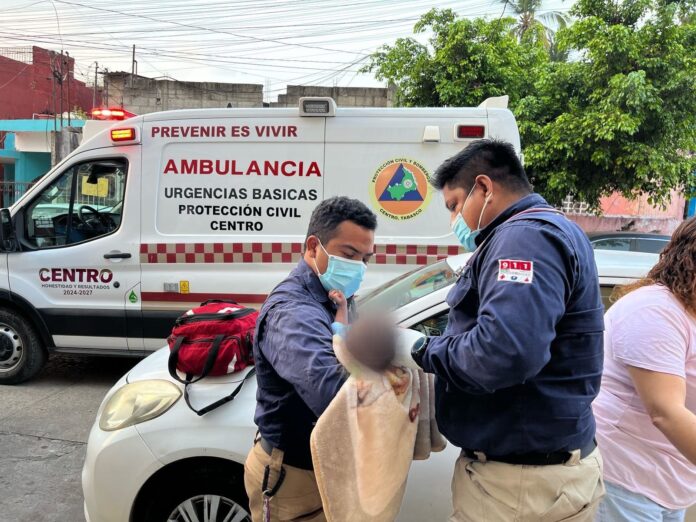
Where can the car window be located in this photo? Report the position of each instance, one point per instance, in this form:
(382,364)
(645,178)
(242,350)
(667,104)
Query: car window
(407,288)
(617,243)
(83,203)
(433,326)
(651,246)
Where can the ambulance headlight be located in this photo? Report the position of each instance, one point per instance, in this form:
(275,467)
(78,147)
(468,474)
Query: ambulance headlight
(138,402)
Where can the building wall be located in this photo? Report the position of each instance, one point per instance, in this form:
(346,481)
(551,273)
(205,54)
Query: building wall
(142,95)
(344,96)
(31,89)
(619,213)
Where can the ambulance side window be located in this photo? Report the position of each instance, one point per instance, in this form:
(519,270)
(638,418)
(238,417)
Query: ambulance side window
(83,203)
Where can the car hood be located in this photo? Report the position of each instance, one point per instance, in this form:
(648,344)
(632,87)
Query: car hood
(155,366)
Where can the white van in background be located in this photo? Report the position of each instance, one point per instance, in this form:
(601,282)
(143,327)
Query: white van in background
(163,211)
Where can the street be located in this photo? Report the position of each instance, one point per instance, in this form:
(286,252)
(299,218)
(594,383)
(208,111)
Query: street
(44,426)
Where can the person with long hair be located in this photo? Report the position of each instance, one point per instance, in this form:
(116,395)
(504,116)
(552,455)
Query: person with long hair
(646,408)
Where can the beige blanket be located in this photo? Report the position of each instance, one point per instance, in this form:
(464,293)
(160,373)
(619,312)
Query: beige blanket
(364,443)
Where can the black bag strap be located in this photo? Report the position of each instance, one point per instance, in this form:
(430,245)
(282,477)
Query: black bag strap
(210,407)
(209,362)
(210,301)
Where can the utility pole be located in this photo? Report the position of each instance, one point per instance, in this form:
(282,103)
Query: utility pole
(133,67)
(94,94)
(106,86)
(68,74)
(60,82)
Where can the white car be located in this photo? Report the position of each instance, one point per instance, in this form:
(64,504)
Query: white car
(150,458)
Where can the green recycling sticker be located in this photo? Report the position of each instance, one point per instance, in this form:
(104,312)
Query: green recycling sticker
(133,298)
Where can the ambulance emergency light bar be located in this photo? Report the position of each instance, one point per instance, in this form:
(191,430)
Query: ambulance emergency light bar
(116,114)
(317,106)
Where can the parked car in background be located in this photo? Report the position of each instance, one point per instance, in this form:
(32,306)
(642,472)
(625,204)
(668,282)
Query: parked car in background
(150,458)
(629,241)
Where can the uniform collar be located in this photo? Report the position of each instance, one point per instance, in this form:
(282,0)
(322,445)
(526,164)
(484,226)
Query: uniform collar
(311,282)
(530,201)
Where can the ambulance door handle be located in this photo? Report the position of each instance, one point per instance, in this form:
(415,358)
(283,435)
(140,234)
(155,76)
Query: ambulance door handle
(117,255)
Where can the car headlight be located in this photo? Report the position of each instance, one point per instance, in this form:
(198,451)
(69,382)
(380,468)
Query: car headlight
(138,402)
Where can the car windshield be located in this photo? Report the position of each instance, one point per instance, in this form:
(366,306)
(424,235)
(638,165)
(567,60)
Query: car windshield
(408,287)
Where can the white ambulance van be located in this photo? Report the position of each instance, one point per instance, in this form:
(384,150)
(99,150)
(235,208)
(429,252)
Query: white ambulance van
(163,211)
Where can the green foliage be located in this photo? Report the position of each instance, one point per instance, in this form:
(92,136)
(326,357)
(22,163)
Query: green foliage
(465,62)
(618,115)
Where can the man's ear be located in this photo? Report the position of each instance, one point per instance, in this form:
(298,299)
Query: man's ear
(311,244)
(485,183)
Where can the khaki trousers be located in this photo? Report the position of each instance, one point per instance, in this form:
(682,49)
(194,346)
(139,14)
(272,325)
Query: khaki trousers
(298,497)
(498,492)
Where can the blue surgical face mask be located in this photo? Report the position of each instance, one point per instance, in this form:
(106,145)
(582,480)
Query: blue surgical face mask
(341,274)
(465,235)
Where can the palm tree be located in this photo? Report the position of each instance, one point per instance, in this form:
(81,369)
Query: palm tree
(530,23)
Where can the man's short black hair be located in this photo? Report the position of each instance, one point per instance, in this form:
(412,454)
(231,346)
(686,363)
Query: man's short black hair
(496,159)
(331,212)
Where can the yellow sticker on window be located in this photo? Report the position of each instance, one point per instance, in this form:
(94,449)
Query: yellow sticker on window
(100,189)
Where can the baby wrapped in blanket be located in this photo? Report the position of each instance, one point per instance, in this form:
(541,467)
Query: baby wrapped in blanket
(381,419)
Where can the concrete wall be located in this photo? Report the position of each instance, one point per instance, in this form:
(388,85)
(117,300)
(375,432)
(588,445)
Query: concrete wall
(142,95)
(344,96)
(31,89)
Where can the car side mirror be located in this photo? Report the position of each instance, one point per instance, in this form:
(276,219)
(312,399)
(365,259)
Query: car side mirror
(8,241)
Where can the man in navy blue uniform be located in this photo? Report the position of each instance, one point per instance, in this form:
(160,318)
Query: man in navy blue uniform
(521,359)
(297,372)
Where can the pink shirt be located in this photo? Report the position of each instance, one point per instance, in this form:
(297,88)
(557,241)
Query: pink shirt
(647,329)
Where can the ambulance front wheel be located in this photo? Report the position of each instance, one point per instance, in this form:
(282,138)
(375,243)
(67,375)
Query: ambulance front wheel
(21,352)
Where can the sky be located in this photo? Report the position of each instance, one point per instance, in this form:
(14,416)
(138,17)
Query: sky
(269,42)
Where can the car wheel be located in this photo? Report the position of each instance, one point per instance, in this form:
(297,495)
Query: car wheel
(203,496)
(21,352)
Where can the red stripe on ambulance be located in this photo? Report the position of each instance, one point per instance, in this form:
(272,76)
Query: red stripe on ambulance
(192,253)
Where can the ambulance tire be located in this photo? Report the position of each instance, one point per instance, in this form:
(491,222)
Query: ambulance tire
(19,338)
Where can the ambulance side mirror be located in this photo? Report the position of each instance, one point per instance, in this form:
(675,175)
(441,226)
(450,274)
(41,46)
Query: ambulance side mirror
(8,241)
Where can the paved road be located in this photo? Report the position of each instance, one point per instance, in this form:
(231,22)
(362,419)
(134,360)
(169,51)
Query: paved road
(44,426)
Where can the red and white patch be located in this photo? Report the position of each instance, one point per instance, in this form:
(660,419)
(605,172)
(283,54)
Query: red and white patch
(515,271)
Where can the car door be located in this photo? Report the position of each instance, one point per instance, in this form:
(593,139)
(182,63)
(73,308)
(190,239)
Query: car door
(79,264)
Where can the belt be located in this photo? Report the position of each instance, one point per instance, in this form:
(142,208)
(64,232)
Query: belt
(288,459)
(531,459)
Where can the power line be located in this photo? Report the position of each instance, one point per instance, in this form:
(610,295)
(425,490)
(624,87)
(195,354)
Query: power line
(265,40)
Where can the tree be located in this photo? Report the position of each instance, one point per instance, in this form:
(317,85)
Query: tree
(621,116)
(465,62)
(531,24)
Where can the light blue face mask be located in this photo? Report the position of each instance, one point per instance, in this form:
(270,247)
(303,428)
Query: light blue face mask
(465,235)
(341,274)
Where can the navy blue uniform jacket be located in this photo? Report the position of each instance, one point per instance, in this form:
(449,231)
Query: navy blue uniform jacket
(520,361)
(297,371)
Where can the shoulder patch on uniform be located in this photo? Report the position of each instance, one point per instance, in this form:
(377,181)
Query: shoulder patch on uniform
(515,271)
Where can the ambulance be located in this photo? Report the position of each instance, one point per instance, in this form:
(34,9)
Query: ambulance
(160,212)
